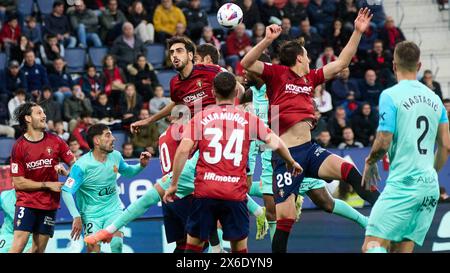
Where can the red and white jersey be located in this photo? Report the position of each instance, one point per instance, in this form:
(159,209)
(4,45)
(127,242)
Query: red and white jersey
(292,94)
(223,134)
(168,144)
(36,161)
(196,90)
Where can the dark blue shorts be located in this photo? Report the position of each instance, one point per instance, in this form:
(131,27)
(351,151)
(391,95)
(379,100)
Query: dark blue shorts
(232,215)
(310,156)
(35,221)
(175,218)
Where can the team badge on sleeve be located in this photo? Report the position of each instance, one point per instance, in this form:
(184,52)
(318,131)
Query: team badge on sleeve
(69,182)
(14,168)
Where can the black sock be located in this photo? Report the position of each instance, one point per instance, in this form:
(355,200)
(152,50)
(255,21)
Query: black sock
(354,178)
(280,241)
(179,250)
(214,238)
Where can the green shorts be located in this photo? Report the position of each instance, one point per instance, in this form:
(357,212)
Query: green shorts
(267,172)
(6,243)
(185,183)
(310,184)
(403,214)
(92,224)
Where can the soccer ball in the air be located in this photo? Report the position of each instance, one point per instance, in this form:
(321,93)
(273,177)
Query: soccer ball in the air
(229,15)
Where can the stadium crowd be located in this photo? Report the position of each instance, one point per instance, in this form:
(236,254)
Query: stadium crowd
(125,86)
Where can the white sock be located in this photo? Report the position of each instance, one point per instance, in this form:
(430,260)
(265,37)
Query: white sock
(111,228)
(216,249)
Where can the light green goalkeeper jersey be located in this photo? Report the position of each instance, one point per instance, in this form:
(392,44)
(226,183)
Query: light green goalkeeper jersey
(412,113)
(7,205)
(95,183)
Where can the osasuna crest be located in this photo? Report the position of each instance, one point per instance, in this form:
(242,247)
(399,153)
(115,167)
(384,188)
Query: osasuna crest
(281,192)
(116,170)
(49,150)
(199,84)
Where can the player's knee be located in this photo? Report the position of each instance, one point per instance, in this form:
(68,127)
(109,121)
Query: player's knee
(116,244)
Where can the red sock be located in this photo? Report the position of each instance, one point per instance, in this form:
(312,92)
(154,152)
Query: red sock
(345,170)
(244,250)
(285,224)
(193,248)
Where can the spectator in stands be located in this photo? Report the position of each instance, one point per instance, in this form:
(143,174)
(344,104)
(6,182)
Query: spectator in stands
(427,79)
(148,136)
(321,13)
(127,47)
(323,101)
(286,33)
(52,109)
(60,81)
(128,150)
(59,130)
(103,111)
(85,22)
(19,99)
(50,51)
(58,24)
(364,123)
(157,103)
(258,32)
(443,196)
(270,14)
(7,7)
(324,140)
(321,125)
(91,83)
(143,77)
(32,31)
(111,22)
(337,37)
(326,57)
(390,34)
(181,31)
(350,104)
(238,44)
(10,33)
(381,62)
(13,80)
(80,130)
(196,19)
(313,41)
(75,105)
(250,12)
(370,88)
(35,75)
(348,12)
(349,140)
(143,28)
(17,52)
(342,86)
(447,106)
(209,38)
(367,40)
(74,147)
(378,13)
(165,20)
(114,79)
(295,11)
(5,128)
(131,104)
(336,124)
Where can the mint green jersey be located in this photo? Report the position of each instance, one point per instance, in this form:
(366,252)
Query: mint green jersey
(8,206)
(95,183)
(412,113)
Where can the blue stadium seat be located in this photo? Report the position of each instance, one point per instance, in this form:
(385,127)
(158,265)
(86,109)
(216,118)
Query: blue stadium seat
(121,138)
(206,5)
(45,6)
(164,77)
(75,59)
(96,55)
(212,19)
(25,7)
(6,145)
(156,55)
(3,61)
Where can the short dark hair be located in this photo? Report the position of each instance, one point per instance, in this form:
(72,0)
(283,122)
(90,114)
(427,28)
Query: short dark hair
(127,143)
(407,55)
(45,88)
(265,58)
(85,115)
(347,127)
(72,139)
(20,91)
(446,100)
(57,3)
(208,49)
(188,44)
(289,51)
(22,111)
(224,84)
(93,131)
(428,71)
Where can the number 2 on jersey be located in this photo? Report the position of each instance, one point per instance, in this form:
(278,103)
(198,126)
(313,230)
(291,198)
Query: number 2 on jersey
(420,120)
(236,140)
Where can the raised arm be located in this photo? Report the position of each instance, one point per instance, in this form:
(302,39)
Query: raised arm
(250,61)
(161,114)
(361,24)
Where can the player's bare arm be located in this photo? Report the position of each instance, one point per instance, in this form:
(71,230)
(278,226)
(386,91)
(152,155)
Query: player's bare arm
(278,146)
(361,24)
(379,149)
(135,126)
(250,60)
(443,146)
(181,156)
(23,184)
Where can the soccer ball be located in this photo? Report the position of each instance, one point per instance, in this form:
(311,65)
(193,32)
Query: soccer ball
(229,15)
